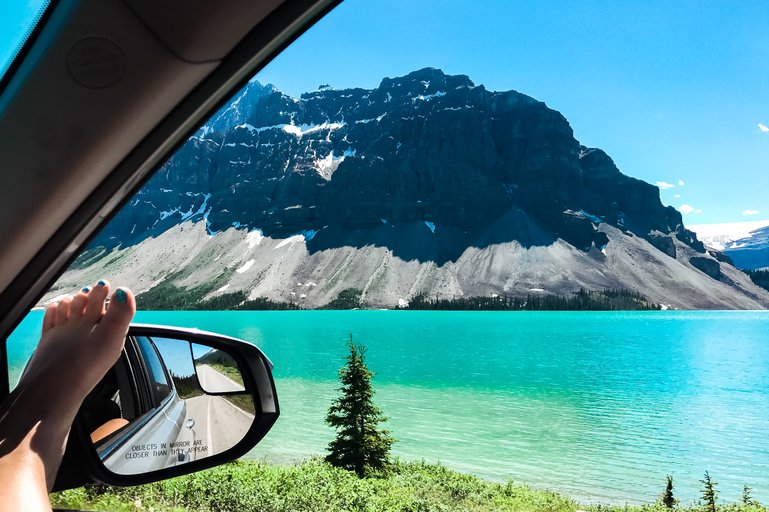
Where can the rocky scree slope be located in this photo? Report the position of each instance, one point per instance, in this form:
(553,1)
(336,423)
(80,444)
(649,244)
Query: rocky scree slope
(427,184)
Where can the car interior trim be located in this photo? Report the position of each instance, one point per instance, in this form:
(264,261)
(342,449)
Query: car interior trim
(265,41)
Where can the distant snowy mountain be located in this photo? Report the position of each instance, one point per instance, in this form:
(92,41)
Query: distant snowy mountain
(746,243)
(724,236)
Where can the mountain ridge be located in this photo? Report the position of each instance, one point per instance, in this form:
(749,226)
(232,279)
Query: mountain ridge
(427,170)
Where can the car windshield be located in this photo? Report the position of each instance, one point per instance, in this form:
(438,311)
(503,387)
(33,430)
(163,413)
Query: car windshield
(18,19)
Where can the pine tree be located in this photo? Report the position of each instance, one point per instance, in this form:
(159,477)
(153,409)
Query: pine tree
(667,495)
(709,493)
(746,497)
(359,444)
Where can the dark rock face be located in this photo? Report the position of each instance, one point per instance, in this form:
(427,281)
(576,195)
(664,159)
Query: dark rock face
(664,244)
(477,167)
(706,265)
(723,258)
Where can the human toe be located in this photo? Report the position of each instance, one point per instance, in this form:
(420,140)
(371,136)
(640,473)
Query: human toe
(62,311)
(122,306)
(49,318)
(94,310)
(77,307)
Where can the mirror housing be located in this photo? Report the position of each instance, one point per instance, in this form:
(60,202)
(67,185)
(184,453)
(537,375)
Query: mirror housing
(220,368)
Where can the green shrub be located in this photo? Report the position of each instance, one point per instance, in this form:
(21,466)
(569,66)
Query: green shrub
(317,486)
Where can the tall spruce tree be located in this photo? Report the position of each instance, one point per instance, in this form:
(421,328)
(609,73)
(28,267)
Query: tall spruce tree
(709,493)
(667,497)
(360,445)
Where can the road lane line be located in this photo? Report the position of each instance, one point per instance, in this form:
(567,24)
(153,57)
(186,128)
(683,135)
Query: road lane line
(208,427)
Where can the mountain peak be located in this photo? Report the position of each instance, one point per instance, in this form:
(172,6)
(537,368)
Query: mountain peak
(427,80)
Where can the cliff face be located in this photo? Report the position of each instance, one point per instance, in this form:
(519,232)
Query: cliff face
(425,169)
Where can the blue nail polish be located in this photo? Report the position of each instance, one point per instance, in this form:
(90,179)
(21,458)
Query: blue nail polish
(101,282)
(86,290)
(121,296)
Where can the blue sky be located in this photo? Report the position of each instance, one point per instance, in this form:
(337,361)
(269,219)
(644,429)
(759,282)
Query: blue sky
(16,19)
(673,91)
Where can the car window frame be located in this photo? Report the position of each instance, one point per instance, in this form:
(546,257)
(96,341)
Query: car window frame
(149,406)
(151,351)
(259,47)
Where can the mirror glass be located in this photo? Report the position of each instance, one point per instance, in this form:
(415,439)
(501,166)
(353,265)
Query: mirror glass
(167,402)
(217,371)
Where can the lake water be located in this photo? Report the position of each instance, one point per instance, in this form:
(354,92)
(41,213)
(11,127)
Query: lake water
(598,405)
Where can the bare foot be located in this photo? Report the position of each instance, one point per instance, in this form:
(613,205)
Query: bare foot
(81,340)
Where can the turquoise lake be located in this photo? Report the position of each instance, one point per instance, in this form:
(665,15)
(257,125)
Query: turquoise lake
(597,405)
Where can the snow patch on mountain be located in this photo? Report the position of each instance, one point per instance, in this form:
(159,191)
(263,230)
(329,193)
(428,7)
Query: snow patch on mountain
(309,234)
(290,241)
(327,166)
(428,97)
(304,129)
(254,238)
(246,266)
(167,213)
(200,211)
(590,216)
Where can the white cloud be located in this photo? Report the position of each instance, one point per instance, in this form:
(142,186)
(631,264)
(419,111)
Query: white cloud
(676,195)
(763,127)
(750,212)
(686,208)
(664,185)
(698,210)
(681,183)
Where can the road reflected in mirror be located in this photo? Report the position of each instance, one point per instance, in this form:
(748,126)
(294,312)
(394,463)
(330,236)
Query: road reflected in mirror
(217,371)
(167,402)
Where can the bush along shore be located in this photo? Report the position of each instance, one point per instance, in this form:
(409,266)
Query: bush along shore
(316,485)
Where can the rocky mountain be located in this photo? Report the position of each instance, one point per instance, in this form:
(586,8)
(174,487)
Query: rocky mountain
(428,184)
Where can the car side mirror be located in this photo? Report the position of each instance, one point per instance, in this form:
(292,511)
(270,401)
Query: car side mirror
(177,401)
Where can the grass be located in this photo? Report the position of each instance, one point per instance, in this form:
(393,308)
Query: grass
(244,401)
(317,486)
(228,371)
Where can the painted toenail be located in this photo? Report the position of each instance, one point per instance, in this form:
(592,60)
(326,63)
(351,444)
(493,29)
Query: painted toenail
(86,290)
(101,282)
(121,296)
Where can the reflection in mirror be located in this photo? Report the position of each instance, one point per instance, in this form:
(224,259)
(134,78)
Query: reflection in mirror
(167,402)
(217,371)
